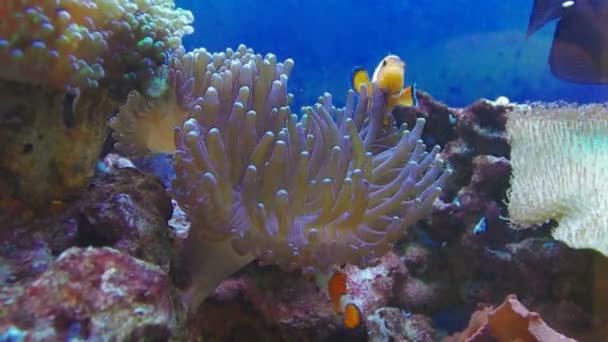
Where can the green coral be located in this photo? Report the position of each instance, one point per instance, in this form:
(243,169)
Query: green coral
(77,44)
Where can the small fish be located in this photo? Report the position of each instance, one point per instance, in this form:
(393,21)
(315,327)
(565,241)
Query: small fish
(579,52)
(481,226)
(336,288)
(352,316)
(342,301)
(390,78)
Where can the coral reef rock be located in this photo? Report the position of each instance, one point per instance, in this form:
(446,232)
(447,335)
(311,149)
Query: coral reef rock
(49,146)
(93,294)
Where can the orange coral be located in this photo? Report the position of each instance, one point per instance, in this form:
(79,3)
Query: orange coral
(511,321)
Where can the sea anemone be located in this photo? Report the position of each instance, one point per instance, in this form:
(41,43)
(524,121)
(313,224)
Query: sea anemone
(330,187)
(146,124)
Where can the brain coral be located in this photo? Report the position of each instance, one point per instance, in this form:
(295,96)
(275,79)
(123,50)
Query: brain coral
(70,43)
(336,185)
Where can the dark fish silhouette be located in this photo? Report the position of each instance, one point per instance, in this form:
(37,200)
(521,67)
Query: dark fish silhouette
(580,43)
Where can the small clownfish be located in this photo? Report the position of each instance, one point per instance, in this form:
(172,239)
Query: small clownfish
(343,303)
(390,78)
(336,287)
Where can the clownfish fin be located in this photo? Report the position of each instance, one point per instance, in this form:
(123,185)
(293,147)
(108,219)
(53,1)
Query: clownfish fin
(407,97)
(352,316)
(360,77)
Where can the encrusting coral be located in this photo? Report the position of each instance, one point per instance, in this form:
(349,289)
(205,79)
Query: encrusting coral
(49,145)
(559,156)
(74,44)
(307,193)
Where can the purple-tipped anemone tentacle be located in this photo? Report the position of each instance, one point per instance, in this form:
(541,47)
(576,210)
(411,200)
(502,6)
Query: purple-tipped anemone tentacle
(334,186)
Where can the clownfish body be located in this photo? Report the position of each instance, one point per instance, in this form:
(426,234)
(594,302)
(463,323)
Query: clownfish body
(389,76)
(352,316)
(342,301)
(336,288)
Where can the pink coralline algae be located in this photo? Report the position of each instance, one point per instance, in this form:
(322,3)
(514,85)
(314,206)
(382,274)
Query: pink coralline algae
(374,287)
(394,324)
(97,294)
(293,305)
(128,211)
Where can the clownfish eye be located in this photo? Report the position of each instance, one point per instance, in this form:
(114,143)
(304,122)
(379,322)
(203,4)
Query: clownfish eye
(384,62)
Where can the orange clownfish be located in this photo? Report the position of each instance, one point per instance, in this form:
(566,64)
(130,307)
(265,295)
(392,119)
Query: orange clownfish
(343,303)
(390,78)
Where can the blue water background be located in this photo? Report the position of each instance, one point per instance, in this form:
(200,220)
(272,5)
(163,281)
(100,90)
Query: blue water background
(457,50)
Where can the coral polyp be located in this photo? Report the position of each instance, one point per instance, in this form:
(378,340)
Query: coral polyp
(76,44)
